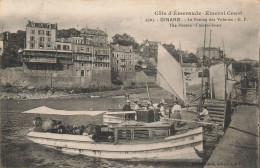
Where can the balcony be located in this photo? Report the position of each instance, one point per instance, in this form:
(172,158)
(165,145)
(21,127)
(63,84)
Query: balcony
(99,60)
(79,58)
(40,60)
(101,54)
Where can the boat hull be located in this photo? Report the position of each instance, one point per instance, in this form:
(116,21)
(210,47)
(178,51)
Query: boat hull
(178,148)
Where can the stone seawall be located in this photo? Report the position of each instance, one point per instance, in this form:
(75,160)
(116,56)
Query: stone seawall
(21,76)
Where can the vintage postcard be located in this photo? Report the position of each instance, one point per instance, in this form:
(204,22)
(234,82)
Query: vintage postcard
(127,83)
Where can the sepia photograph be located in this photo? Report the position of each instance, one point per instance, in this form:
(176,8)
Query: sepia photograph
(129,83)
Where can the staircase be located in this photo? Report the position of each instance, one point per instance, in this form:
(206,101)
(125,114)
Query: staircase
(219,111)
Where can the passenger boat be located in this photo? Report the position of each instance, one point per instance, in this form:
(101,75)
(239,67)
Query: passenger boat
(141,140)
(134,143)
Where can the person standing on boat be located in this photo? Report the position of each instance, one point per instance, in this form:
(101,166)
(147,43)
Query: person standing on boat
(176,110)
(136,105)
(150,105)
(207,119)
(158,113)
(162,109)
(127,106)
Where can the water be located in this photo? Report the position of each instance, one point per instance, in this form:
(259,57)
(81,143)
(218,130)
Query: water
(17,151)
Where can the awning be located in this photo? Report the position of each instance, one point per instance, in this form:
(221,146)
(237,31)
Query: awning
(46,110)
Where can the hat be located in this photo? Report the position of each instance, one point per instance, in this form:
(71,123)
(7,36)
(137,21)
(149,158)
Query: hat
(135,101)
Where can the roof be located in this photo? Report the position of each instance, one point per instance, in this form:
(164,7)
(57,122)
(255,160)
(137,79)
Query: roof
(208,48)
(92,31)
(121,48)
(41,25)
(46,110)
(188,65)
(151,43)
(247,60)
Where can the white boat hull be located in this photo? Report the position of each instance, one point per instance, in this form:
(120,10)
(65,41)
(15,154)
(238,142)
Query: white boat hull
(175,148)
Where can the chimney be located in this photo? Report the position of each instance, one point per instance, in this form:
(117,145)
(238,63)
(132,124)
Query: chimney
(97,28)
(86,26)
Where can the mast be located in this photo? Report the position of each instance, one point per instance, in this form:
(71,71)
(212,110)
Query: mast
(226,72)
(181,61)
(209,65)
(148,91)
(202,75)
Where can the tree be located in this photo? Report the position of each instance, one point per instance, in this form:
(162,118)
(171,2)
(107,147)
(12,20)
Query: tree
(115,78)
(171,49)
(125,40)
(12,43)
(240,67)
(66,33)
(190,58)
(139,62)
(186,56)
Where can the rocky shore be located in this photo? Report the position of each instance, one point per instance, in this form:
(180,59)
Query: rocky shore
(44,93)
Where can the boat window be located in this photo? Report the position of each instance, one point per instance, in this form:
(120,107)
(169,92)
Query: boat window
(124,134)
(141,134)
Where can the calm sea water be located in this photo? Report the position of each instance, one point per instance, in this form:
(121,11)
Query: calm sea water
(17,151)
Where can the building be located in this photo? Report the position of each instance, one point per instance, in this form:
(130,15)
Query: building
(123,62)
(80,61)
(210,52)
(40,52)
(149,49)
(98,37)
(40,35)
(189,68)
(1,44)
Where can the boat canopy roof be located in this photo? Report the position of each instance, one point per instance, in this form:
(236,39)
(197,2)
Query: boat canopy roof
(46,110)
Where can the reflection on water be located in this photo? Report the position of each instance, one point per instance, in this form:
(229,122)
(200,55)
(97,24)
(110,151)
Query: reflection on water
(17,151)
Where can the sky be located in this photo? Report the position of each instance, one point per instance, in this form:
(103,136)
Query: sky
(239,39)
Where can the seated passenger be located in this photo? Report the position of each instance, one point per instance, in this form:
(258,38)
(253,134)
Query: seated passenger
(127,106)
(205,114)
(37,121)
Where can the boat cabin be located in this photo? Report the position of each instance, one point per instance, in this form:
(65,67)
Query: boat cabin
(133,130)
(116,117)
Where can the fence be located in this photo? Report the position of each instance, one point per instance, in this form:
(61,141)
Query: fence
(216,126)
(244,95)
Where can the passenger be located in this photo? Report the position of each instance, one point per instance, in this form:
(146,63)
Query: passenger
(111,139)
(158,113)
(127,106)
(136,106)
(176,110)
(205,114)
(82,128)
(37,121)
(49,125)
(75,130)
(207,119)
(61,128)
(69,129)
(150,106)
(162,109)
